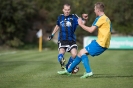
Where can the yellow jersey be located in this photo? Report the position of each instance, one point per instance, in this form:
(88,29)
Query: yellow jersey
(104,27)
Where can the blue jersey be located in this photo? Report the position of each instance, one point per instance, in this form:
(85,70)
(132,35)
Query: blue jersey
(68,25)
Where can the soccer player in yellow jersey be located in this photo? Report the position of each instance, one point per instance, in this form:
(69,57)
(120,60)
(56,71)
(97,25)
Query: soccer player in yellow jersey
(103,24)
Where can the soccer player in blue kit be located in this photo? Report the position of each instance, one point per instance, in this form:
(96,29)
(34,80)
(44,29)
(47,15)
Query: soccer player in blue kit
(67,23)
(103,24)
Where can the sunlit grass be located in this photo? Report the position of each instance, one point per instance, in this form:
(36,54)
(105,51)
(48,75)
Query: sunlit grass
(33,69)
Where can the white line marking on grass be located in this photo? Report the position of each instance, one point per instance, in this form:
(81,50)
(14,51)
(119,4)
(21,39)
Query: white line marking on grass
(8,53)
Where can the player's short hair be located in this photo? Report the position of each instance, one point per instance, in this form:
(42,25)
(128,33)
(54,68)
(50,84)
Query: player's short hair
(100,6)
(66,4)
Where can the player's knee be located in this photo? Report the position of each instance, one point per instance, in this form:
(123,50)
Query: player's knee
(81,52)
(62,50)
(74,55)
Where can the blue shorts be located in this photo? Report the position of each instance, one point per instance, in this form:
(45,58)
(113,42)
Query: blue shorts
(94,49)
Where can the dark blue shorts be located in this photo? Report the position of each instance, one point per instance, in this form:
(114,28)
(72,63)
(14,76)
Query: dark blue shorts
(94,49)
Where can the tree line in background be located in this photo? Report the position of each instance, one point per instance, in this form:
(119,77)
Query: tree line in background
(19,17)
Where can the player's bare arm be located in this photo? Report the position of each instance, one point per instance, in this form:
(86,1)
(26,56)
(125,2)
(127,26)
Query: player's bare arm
(86,28)
(56,28)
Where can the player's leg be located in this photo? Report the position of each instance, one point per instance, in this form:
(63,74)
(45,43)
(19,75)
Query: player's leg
(76,61)
(69,62)
(61,57)
(93,49)
(62,50)
(85,61)
(73,62)
(73,52)
(81,57)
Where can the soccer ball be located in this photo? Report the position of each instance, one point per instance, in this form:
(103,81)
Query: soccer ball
(75,70)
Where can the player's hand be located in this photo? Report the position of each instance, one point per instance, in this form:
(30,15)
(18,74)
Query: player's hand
(50,37)
(85,16)
(80,21)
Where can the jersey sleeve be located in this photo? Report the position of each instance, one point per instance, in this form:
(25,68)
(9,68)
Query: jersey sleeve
(98,22)
(76,19)
(58,21)
(76,16)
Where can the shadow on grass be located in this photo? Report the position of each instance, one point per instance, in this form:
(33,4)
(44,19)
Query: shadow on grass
(105,76)
(111,76)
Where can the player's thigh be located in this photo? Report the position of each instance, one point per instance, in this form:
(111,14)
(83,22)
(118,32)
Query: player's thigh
(62,51)
(82,51)
(73,52)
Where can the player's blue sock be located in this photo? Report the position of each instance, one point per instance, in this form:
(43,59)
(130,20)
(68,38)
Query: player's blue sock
(85,61)
(76,61)
(69,62)
(60,56)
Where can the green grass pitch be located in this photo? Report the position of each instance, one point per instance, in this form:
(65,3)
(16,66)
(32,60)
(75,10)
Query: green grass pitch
(33,69)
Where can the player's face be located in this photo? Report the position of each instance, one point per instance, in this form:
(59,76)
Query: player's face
(96,11)
(66,10)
